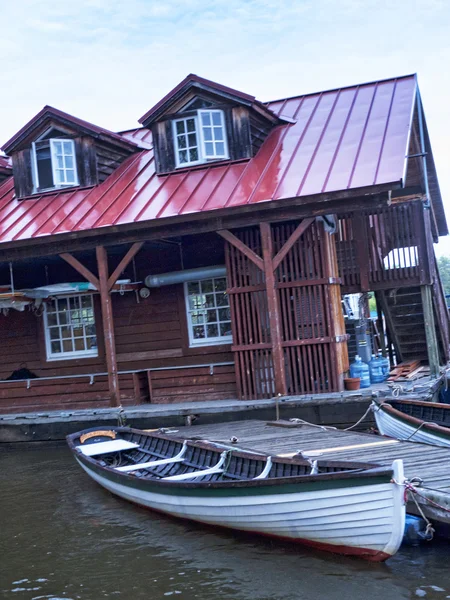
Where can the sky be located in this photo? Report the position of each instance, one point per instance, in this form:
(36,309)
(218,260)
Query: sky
(109,61)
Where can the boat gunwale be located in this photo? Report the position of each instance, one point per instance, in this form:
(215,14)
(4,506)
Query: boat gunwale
(439,430)
(357,470)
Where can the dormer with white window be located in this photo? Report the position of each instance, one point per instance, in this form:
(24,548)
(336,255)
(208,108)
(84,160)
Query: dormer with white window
(56,151)
(53,162)
(201,123)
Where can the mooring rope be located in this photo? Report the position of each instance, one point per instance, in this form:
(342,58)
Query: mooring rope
(360,420)
(303,422)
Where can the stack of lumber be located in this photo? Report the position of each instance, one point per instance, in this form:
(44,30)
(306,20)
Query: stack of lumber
(408,371)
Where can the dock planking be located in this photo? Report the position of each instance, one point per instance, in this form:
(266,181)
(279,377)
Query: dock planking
(430,463)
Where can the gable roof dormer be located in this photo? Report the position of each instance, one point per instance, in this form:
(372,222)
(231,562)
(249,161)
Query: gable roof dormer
(55,150)
(200,122)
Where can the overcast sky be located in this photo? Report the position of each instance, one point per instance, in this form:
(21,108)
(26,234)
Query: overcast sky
(109,61)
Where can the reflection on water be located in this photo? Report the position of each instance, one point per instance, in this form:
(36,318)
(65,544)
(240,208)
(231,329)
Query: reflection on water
(62,536)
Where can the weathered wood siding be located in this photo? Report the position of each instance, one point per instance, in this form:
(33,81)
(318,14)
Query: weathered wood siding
(150,334)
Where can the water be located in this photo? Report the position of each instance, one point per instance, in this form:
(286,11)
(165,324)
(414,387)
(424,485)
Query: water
(63,537)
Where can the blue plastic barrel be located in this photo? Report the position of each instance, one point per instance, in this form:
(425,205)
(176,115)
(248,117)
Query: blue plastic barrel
(385,364)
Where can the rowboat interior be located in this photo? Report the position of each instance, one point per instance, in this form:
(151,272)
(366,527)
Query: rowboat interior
(162,457)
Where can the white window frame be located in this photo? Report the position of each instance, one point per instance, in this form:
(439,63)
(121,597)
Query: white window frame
(214,156)
(53,158)
(74,354)
(209,341)
(178,150)
(202,157)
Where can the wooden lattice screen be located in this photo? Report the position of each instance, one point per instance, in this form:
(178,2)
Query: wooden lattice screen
(308,300)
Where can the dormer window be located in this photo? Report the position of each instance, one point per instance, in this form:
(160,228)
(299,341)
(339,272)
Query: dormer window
(200,138)
(53,163)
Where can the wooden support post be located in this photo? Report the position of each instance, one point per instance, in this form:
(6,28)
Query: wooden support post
(339,349)
(362,250)
(108,326)
(124,263)
(274,310)
(430,329)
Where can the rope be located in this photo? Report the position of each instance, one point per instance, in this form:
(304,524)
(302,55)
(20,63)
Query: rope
(360,420)
(417,429)
(412,488)
(303,422)
(429,530)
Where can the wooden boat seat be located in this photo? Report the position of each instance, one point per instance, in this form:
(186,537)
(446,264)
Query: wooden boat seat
(218,468)
(106,447)
(155,463)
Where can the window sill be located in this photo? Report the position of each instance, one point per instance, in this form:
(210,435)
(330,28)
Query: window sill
(71,357)
(208,343)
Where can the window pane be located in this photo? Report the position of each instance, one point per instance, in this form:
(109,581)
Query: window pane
(70,177)
(91,342)
(196,302)
(209,149)
(220,284)
(66,332)
(192,140)
(52,319)
(67,346)
(181,141)
(44,168)
(211,316)
(63,318)
(207,134)
(180,126)
(59,162)
(216,118)
(218,133)
(207,286)
(58,147)
(206,118)
(220,148)
(79,344)
(199,332)
(222,300)
(198,318)
(59,176)
(86,301)
(212,330)
(225,329)
(67,147)
(62,304)
(54,333)
(190,124)
(55,347)
(224,314)
(183,156)
(193,287)
(193,155)
(69,161)
(209,301)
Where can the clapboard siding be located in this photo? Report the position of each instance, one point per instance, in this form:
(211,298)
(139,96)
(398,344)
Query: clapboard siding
(150,334)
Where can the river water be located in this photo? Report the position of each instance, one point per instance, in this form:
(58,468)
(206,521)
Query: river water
(62,536)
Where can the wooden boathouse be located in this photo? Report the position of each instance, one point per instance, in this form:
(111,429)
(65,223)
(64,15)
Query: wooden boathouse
(204,255)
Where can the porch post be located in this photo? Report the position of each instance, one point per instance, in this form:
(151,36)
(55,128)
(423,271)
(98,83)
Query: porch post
(274,310)
(108,326)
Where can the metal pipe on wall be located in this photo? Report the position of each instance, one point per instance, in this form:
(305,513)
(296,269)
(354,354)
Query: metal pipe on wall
(186,275)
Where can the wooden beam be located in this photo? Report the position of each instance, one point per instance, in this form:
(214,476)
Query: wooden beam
(248,252)
(195,224)
(82,270)
(362,250)
(274,310)
(108,327)
(124,263)
(300,230)
(430,329)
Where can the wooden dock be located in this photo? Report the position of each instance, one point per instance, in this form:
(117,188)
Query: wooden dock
(430,463)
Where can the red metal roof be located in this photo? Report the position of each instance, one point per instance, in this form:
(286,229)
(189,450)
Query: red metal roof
(340,139)
(5,163)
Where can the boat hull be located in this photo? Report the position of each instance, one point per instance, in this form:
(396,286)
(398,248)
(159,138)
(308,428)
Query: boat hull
(395,424)
(357,518)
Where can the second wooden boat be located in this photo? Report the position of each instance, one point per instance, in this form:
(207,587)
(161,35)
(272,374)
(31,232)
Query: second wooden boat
(344,507)
(413,420)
